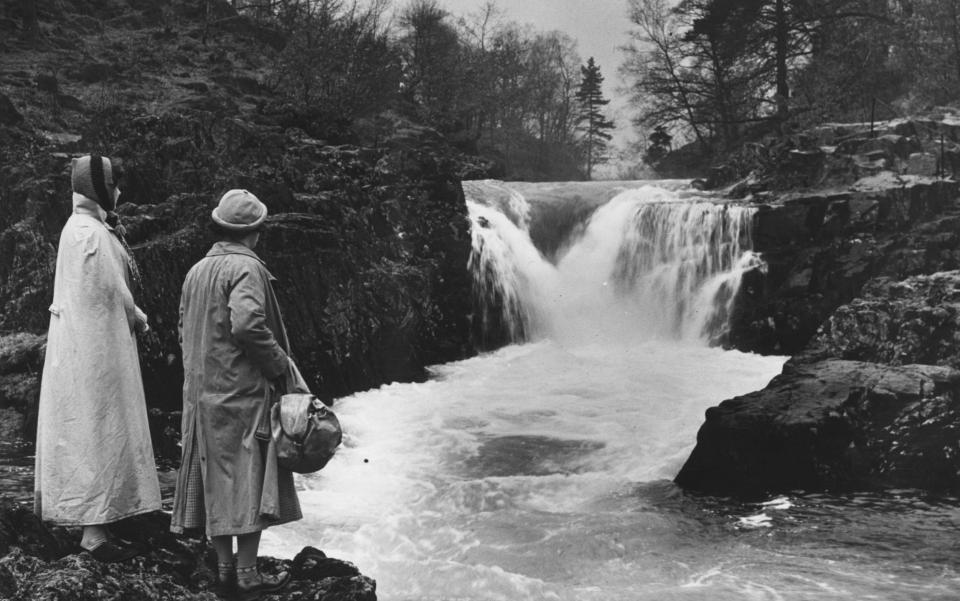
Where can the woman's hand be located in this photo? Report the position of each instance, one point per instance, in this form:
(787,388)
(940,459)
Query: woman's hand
(141,325)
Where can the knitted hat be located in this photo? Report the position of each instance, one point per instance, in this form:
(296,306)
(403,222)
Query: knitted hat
(239,211)
(93,176)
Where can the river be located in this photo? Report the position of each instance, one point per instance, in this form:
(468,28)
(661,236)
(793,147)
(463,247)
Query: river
(543,469)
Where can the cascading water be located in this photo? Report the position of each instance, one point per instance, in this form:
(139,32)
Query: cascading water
(543,469)
(647,264)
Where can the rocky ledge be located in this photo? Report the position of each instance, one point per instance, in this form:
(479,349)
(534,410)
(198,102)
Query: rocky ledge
(862,288)
(833,425)
(823,246)
(44,564)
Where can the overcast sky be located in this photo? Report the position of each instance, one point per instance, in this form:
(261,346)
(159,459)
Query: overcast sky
(599,26)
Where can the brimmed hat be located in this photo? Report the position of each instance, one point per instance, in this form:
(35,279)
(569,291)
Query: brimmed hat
(96,177)
(239,211)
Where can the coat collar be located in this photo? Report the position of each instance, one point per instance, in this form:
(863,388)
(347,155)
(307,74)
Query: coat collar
(89,207)
(225,247)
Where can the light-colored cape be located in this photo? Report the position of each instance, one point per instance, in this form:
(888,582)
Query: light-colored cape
(94,460)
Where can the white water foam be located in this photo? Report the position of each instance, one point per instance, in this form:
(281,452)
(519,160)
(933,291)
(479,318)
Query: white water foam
(506,476)
(541,471)
(509,475)
(651,263)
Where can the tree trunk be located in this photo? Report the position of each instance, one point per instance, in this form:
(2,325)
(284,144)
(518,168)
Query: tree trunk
(590,132)
(589,158)
(721,100)
(783,86)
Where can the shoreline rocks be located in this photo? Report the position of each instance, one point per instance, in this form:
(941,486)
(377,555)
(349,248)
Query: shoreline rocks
(862,288)
(833,425)
(39,563)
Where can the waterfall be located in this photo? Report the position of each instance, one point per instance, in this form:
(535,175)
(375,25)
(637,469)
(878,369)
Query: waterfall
(648,263)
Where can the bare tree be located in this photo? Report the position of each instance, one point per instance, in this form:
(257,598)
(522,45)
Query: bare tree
(654,60)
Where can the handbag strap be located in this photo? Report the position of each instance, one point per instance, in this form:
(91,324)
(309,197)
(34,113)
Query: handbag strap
(294,380)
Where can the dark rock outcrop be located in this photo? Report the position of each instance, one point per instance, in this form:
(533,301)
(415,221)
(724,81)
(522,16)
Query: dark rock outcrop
(916,320)
(833,425)
(38,563)
(21,360)
(861,288)
(822,247)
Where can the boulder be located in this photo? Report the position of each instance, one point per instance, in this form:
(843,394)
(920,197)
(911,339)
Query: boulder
(833,425)
(871,163)
(890,146)
(916,320)
(922,163)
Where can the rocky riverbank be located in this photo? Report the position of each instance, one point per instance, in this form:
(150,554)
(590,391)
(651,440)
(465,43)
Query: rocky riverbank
(863,254)
(43,564)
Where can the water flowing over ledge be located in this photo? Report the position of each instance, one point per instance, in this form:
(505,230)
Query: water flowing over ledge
(542,470)
(638,261)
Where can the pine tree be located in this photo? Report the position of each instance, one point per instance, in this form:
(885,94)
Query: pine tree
(594,124)
(660,143)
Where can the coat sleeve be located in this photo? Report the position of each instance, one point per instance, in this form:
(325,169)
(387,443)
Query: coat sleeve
(105,283)
(248,324)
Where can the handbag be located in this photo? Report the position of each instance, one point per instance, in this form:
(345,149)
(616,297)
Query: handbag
(305,432)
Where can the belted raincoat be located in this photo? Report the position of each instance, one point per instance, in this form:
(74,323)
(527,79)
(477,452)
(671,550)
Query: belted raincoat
(234,344)
(94,460)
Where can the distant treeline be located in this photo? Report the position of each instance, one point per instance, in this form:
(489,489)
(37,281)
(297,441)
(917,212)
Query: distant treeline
(719,72)
(491,86)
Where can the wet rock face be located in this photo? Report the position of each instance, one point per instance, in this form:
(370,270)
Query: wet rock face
(862,288)
(373,287)
(821,248)
(838,205)
(369,246)
(871,398)
(833,425)
(916,320)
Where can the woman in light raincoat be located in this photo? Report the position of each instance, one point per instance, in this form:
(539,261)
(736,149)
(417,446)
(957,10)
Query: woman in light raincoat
(235,350)
(94,460)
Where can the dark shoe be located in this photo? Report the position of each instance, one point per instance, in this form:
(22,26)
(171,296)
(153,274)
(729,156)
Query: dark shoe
(251,583)
(111,552)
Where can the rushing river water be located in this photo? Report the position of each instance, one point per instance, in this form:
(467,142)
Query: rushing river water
(543,470)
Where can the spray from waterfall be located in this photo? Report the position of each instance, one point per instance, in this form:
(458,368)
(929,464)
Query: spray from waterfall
(648,264)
